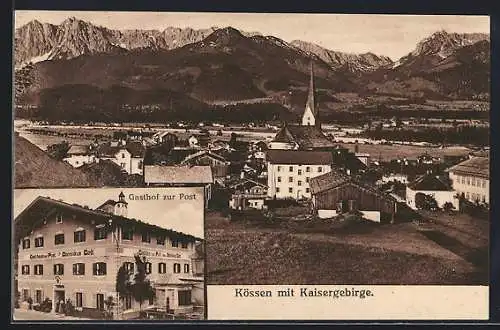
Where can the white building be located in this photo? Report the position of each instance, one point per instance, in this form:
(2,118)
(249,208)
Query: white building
(128,155)
(471,179)
(433,186)
(289,171)
(79,155)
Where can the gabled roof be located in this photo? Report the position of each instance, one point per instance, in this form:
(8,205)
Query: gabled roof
(299,157)
(192,157)
(157,174)
(336,179)
(245,181)
(429,182)
(78,150)
(30,217)
(307,137)
(135,148)
(476,166)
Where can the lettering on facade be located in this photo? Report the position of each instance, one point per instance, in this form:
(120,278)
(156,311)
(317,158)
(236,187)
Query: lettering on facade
(159,254)
(85,252)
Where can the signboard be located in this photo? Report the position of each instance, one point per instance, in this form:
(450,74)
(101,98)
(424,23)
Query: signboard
(77,253)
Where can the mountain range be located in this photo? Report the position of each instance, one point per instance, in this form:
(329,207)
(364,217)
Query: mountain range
(224,64)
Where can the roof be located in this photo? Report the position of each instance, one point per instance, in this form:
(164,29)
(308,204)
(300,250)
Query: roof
(135,148)
(334,179)
(327,181)
(78,150)
(476,166)
(203,153)
(34,168)
(30,216)
(429,182)
(177,174)
(299,157)
(245,181)
(159,155)
(307,137)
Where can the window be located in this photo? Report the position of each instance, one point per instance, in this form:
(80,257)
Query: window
(26,294)
(122,165)
(26,243)
(463,180)
(308,169)
(25,270)
(290,179)
(79,269)
(148,267)
(279,168)
(128,302)
(300,172)
(279,179)
(100,301)
(186,268)
(484,199)
(184,297)
(307,190)
(99,268)
(177,268)
(100,233)
(123,155)
(59,239)
(162,268)
(473,181)
(467,196)
(299,183)
(184,245)
(146,237)
(320,169)
(290,190)
(290,168)
(160,240)
(79,299)
(307,180)
(139,165)
(128,234)
(38,269)
(59,218)
(277,189)
(79,236)
(468,181)
(129,266)
(175,243)
(484,184)
(58,269)
(38,296)
(39,241)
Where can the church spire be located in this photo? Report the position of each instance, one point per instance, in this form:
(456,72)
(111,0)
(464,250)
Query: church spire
(310,116)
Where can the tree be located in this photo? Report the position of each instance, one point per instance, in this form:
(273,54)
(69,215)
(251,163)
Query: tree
(141,287)
(448,207)
(123,283)
(59,150)
(425,202)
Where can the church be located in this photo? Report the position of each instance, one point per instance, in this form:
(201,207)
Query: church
(307,135)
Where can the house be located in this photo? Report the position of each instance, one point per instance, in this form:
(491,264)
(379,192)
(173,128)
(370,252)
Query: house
(68,251)
(428,159)
(471,179)
(393,177)
(219,165)
(289,171)
(308,135)
(128,155)
(79,155)
(335,193)
(248,194)
(219,145)
(180,176)
(434,186)
(165,137)
(199,140)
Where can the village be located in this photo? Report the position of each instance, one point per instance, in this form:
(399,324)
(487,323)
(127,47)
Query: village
(300,177)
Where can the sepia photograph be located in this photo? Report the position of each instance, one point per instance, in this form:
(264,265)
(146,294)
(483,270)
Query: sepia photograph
(108,254)
(327,149)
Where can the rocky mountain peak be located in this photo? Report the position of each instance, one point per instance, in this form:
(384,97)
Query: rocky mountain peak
(225,36)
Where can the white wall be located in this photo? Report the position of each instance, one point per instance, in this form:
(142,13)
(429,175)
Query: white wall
(324,214)
(79,160)
(472,187)
(299,185)
(441,197)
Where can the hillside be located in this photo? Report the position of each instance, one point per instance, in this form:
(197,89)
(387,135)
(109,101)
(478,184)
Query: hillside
(33,168)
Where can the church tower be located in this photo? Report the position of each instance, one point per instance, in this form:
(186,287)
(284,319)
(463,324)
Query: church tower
(310,117)
(121,205)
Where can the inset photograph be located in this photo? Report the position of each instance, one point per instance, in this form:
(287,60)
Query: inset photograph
(108,254)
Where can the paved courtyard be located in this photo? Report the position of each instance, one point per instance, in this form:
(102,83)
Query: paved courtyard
(22,315)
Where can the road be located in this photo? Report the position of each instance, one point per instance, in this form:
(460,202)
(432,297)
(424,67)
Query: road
(21,314)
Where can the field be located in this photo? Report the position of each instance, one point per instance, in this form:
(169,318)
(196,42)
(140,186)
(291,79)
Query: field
(388,152)
(245,253)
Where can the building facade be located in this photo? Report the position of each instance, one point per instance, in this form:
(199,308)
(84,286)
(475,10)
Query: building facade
(128,155)
(471,179)
(289,172)
(432,186)
(72,252)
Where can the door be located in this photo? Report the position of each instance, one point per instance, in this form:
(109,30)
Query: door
(100,302)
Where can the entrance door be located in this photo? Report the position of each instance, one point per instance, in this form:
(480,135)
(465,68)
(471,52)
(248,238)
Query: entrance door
(59,298)
(100,302)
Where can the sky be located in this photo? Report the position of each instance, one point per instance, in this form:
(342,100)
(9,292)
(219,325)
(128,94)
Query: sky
(389,35)
(185,216)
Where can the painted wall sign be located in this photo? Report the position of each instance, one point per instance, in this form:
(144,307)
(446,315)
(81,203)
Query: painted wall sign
(85,252)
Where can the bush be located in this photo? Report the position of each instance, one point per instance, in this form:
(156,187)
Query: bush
(46,306)
(425,202)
